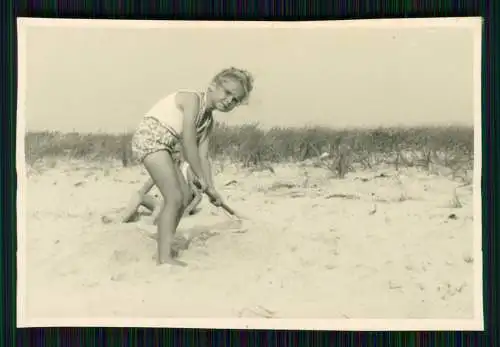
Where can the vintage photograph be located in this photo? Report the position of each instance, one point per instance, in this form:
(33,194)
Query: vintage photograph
(291,175)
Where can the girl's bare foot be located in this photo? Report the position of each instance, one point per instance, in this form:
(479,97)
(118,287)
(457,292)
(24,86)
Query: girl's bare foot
(170,261)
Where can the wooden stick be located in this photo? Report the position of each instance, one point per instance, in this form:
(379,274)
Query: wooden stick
(223,205)
(226,207)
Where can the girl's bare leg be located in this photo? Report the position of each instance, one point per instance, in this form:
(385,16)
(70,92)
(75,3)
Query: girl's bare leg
(194,195)
(163,170)
(196,199)
(136,201)
(157,211)
(154,205)
(149,202)
(187,194)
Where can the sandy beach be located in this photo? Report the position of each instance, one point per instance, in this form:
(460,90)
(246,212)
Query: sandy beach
(377,244)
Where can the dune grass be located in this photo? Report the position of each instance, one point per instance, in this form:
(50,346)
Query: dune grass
(253,146)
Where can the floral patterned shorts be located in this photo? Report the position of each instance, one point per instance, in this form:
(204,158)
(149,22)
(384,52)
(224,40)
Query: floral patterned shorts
(151,136)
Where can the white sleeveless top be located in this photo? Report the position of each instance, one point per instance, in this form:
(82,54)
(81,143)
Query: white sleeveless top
(171,117)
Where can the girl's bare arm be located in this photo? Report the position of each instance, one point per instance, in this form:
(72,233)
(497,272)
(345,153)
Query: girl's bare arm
(205,161)
(189,104)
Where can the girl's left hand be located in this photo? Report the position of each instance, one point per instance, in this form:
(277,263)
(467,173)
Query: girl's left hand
(214,196)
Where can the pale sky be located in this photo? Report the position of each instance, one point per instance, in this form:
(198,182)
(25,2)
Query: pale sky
(105,79)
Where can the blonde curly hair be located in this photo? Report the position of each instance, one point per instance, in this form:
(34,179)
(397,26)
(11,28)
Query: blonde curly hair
(244,77)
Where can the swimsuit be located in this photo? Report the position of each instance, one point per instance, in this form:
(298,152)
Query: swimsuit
(161,128)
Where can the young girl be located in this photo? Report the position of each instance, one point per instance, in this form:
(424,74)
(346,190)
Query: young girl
(183,122)
(141,197)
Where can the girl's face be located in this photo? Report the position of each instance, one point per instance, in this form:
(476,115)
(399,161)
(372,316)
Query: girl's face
(227,94)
